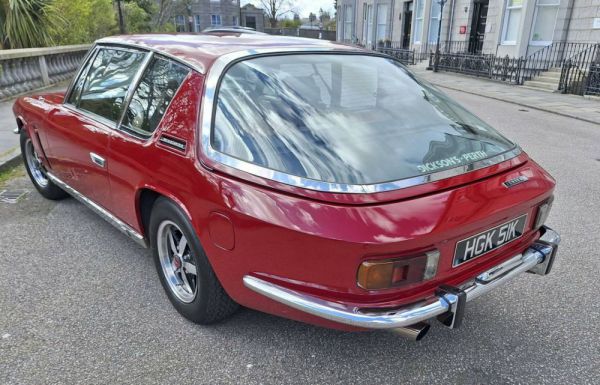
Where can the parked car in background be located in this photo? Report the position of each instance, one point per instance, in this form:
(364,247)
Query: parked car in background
(315,181)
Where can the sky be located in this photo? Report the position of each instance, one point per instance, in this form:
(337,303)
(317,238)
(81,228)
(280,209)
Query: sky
(304,7)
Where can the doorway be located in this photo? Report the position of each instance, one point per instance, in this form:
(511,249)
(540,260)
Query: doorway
(478,22)
(407,24)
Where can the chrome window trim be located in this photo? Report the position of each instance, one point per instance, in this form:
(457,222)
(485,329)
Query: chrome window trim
(107,42)
(138,79)
(89,56)
(131,90)
(212,81)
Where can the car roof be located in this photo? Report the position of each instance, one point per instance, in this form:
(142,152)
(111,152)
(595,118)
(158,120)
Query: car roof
(200,50)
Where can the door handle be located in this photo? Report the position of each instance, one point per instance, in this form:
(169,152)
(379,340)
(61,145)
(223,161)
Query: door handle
(97,159)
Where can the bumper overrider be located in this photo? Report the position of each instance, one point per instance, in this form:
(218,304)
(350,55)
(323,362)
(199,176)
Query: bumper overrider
(447,305)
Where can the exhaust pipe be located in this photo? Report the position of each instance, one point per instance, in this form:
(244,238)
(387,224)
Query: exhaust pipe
(414,332)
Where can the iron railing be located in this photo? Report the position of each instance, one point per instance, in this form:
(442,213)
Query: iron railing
(551,56)
(579,74)
(405,56)
(488,66)
(593,82)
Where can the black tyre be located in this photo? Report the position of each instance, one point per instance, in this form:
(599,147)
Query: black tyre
(183,267)
(37,172)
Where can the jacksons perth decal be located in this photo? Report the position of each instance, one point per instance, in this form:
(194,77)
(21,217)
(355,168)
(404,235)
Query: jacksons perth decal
(452,161)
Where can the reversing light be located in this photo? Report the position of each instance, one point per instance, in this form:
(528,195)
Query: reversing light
(542,213)
(389,273)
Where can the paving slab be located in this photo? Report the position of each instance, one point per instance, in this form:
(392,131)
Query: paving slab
(573,106)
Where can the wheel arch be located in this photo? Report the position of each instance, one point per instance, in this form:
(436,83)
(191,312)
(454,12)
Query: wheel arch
(146,196)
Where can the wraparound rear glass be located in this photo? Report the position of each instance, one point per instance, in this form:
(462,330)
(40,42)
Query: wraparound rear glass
(352,119)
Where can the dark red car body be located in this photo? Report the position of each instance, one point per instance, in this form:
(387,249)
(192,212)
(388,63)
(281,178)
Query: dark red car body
(307,241)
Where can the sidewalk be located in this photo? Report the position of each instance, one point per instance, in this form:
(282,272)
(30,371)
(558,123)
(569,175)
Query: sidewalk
(9,142)
(572,106)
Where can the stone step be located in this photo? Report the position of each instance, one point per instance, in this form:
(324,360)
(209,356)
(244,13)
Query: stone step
(541,85)
(550,75)
(547,79)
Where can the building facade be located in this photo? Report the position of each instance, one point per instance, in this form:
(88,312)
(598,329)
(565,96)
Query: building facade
(252,17)
(505,27)
(197,15)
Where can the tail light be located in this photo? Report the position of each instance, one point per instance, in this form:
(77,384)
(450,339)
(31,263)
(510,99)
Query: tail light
(389,273)
(542,213)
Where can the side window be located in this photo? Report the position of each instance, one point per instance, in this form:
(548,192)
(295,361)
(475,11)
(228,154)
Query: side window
(153,95)
(78,86)
(107,82)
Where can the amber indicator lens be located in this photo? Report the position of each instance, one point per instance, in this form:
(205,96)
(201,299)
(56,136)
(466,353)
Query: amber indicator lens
(388,273)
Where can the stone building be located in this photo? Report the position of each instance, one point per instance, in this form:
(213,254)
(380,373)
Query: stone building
(253,17)
(504,27)
(197,15)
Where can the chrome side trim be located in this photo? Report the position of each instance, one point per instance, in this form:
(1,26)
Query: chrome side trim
(208,103)
(105,214)
(409,315)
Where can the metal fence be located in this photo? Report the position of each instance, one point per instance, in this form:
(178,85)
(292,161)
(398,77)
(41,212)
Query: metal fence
(23,70)
(488,66)
(405,56)
(322,34)
(580,73)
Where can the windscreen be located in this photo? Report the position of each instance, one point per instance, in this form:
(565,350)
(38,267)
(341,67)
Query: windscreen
(339,118)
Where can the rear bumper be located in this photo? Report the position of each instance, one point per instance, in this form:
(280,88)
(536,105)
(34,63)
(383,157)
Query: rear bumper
(448,304)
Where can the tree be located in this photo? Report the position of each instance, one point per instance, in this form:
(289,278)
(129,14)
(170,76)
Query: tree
(26,23)
(84,21)
(287,23)
(275,9)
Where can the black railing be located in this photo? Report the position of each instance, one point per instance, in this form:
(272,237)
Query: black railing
(405,56)
(579,74)
(593,83)
(551,56)
(488,66)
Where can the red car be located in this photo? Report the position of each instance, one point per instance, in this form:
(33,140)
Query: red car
(307,179)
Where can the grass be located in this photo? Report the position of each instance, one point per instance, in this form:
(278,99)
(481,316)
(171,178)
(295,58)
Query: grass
(11,173)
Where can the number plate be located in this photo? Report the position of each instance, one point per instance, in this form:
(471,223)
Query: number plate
(489,240)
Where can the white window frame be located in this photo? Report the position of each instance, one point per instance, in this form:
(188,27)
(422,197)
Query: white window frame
(197,23)
(535,15)
(182,24)
(507,11)
(433,19)
(379,23)
(368,24)
(215,17)
(348,11)
(417,6)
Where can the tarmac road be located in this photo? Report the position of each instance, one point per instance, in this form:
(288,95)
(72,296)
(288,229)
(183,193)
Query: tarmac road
(81,303)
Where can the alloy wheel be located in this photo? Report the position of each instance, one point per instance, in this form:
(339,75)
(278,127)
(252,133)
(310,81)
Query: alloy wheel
(177,261)
(34,164)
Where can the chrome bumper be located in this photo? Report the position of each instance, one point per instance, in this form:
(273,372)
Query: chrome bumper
(447,304)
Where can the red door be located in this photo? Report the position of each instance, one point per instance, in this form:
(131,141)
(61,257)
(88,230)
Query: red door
(79,130)
(77,152)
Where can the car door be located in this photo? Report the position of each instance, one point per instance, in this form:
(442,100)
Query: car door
(81,128)
(140,148)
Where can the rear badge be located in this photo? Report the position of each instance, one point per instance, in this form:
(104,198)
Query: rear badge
(513,182)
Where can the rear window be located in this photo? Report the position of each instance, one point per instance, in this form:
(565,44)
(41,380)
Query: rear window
(352,119)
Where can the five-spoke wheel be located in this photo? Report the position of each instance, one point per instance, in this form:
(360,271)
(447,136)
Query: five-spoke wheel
(177,262)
